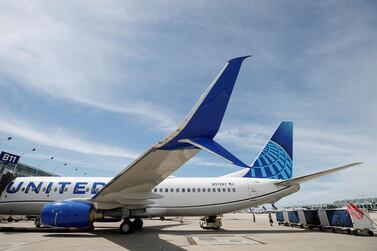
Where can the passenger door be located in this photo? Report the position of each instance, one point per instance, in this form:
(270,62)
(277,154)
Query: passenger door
(252,190)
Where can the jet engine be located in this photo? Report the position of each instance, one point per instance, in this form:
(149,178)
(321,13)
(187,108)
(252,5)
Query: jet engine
(69,214)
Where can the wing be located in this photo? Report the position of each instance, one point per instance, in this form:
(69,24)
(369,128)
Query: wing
(305,178)
(132,187)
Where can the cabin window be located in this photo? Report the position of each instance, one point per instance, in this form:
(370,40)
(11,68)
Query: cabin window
(224,190)
(193,190)
(66,189)
(204,190)
(188,190)
(234,190)
(209,190)
(155,190)
(219,190)
(198,190)
(214,190)
(177,190)
(160,190)
(166,190)
(172,190)
(228,190)
(183,190)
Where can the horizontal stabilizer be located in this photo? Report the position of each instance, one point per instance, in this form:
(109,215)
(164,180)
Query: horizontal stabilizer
(305,178)
(213,147)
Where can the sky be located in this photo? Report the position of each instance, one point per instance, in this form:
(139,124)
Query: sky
(95,84)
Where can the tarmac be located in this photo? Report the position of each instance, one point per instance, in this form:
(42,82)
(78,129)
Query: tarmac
(238,233)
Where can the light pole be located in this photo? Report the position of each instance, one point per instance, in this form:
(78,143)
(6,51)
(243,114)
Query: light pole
(40,163)
(32,150)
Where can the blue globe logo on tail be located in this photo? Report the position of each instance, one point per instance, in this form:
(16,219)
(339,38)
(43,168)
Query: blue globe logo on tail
(276,159)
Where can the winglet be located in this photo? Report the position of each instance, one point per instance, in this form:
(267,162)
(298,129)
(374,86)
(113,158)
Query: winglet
(205,118)
(203,122)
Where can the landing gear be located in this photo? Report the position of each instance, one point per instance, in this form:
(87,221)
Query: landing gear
(37,222)
(126,227)
(210,222)
(137,224)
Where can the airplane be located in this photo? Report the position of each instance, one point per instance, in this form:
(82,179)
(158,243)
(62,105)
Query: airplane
(146,189)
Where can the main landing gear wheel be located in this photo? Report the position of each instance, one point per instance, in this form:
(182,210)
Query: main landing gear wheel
(126,227)
(137,224)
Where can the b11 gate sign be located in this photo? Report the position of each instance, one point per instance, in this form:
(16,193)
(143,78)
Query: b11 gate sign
(9,157)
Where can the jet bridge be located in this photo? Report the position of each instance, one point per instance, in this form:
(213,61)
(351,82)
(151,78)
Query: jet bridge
(6,177)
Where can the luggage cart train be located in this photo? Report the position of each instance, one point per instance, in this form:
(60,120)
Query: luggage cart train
(336,220)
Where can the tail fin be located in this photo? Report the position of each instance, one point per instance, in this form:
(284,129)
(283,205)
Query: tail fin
(276,159)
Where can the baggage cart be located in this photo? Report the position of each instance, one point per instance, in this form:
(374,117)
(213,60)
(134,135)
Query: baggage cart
(293,218)
(279,217)
(309,218)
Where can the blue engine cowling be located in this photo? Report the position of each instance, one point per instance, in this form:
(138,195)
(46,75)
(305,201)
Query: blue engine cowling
(67,214)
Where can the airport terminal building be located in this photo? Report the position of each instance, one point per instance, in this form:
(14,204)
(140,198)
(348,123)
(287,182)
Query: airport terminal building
(23,170)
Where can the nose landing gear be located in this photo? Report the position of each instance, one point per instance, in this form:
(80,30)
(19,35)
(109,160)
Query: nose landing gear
(211,222)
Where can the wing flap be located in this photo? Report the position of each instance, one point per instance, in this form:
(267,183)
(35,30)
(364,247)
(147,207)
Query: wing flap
(145,173)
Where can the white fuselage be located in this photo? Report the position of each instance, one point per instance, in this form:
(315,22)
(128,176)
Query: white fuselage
(180,196)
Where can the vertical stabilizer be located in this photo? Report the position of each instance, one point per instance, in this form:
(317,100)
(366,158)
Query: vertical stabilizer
(276,159)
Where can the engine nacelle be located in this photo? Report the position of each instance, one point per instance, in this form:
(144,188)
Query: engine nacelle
(69,214)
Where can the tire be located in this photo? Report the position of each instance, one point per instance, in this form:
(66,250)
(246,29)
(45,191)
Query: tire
(370,233)
(126,227)
(137,224)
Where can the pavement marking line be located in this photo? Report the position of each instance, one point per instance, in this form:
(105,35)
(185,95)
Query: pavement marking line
(261,242)
(224,240)
(191,241)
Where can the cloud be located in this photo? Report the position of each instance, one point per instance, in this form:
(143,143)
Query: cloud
(58,137)
(76,57)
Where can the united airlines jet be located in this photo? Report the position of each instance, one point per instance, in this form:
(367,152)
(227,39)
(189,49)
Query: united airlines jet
(144,188)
